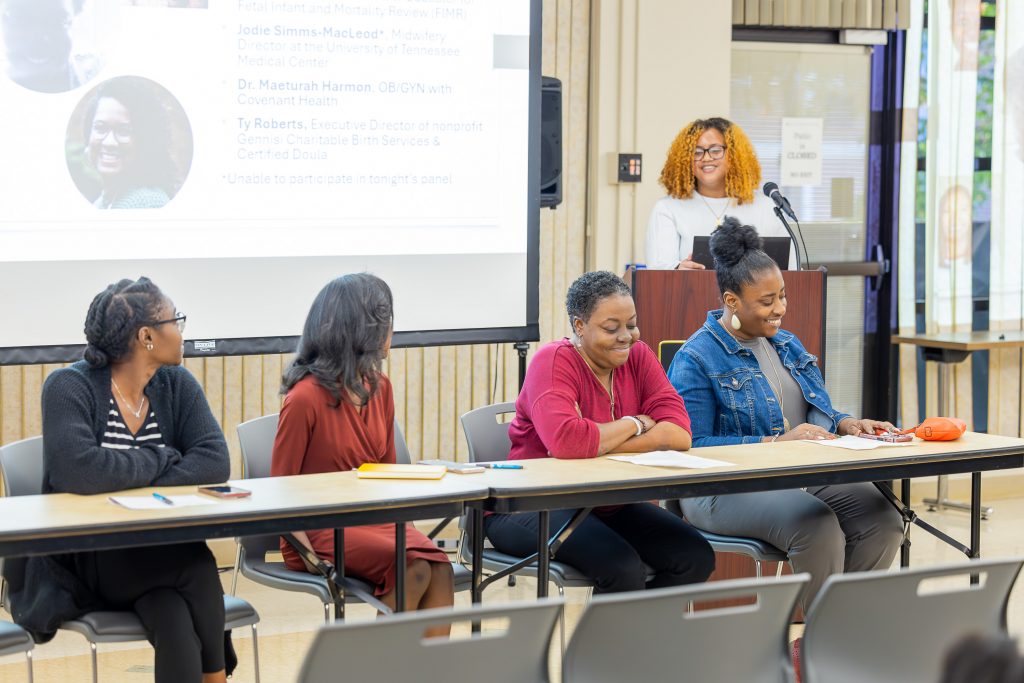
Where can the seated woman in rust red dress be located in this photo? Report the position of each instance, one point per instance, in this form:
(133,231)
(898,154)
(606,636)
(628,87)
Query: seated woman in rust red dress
(338,413)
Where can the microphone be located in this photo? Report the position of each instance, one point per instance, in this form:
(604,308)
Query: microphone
(771,190)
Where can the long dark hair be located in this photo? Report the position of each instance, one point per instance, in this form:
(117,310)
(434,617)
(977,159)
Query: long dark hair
(115,316)
(738,256)
(343,339)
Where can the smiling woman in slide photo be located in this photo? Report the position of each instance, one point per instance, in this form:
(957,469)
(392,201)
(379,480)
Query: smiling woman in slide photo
(136,145)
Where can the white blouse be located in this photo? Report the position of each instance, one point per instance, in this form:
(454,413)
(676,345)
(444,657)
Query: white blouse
(675,222)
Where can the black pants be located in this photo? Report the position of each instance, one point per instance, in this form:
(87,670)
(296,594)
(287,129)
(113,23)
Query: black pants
(176,591)
(612,548)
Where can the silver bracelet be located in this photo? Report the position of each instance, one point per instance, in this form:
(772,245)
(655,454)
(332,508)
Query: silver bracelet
(637,422)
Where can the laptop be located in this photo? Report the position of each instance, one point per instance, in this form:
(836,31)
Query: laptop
(776,247)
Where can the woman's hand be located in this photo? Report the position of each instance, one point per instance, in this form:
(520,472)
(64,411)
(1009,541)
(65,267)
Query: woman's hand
(689,264)
(806,431)
(853,426)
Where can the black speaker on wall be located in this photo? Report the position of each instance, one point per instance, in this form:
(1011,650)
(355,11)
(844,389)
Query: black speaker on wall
(550,142)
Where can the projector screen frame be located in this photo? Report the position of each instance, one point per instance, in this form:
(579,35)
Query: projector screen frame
(529,332)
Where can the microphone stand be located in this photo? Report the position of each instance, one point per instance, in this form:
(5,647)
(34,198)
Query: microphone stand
(792,236)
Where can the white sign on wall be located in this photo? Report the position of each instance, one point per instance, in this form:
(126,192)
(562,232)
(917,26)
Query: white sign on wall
(801,151)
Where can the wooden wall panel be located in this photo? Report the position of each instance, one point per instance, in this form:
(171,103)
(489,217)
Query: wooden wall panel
(433,387)
(866,14)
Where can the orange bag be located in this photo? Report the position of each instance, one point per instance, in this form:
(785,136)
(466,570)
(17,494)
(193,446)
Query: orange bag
(938,429)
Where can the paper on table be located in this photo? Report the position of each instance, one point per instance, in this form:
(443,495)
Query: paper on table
(855,443)
(671,459)
(151,503)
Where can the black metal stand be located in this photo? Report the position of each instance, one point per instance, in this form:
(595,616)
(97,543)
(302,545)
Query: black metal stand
(792,236)
(521,348)
(910,517)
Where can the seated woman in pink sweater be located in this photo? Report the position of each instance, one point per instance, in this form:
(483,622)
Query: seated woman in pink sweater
(603,392)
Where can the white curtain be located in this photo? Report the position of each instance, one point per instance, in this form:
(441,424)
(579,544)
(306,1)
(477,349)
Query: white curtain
(952,79)
(953,31)
(1006,306)
(907,266)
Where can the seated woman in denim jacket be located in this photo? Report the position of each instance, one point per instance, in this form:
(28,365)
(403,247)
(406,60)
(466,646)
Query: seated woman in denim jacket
(746,380)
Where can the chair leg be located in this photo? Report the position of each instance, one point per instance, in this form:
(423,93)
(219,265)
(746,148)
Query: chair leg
(28,658)
(95,664)
(757,568)
(327,613)
(238,562)
(778,570)
(256,653)
(561,618)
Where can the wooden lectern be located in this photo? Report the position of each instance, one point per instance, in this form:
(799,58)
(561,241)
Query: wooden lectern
(673,304)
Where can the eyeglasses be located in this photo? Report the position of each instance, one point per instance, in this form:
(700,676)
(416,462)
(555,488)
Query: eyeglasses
(178,319)
(716,152)
(122,133)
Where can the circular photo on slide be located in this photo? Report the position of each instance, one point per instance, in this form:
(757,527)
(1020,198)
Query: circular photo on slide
(52,46)
(129,144)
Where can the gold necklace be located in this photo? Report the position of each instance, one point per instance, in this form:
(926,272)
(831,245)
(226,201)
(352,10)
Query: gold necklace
(611,379)
(777,390)
(719,217)
(136,413)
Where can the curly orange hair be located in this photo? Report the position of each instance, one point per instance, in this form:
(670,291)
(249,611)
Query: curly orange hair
(744,173)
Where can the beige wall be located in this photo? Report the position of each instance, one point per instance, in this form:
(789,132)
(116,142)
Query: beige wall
(655,66)
(432,386)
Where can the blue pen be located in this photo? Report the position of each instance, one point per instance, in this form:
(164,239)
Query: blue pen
(504,466)
(163,499)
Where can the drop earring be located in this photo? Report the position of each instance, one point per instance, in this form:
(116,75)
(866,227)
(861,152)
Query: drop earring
(735,322)
(149,347)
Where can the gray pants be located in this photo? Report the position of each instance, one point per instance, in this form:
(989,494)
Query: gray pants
(825,530)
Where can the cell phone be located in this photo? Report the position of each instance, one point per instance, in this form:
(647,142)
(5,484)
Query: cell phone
(455,467)
(888,438)
(225,491)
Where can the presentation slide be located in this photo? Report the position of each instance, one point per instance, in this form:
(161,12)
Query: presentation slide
(243,152)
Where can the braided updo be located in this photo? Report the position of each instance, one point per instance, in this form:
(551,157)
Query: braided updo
(738,256)
(115,316)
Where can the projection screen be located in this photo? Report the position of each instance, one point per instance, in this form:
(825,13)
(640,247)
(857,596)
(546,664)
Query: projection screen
(242,153)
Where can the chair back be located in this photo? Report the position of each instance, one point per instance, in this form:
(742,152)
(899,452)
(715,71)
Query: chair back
(666,641)
(486,434)
(256,441)
(395,649)
(402,455)
(897,626)
(21,470)
(21,466)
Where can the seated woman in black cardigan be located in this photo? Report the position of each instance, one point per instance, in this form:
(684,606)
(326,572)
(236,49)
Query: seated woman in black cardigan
(127,416)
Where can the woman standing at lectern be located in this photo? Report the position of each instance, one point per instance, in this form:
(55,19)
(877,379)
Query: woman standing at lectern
(711,172)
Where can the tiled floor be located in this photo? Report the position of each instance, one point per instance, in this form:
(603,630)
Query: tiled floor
(290,619)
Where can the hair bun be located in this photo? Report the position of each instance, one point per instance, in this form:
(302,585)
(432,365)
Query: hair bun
(95,357)
(732,240)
